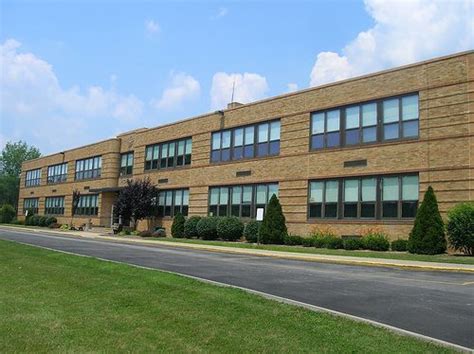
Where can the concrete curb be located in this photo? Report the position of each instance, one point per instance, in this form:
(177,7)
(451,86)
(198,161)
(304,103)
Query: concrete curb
(345,260)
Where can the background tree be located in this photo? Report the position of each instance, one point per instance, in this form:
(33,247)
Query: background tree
(273,227)
(427,235)
(137,200)
(11,158)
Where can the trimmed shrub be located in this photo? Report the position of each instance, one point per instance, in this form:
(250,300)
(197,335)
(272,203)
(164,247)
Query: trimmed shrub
(230,228)
(15,221)
(334,243)
(159,233)
(251,231)
(7,213)
(190,226)
(351,243)
(376,241)
(207,228)
(291,240)
(427,235)
(177,229)
(34,220)
(145,233)
(399,245)
(134,233)
(64,227)
(43,221)
(51,220)
(460,228)
(273,228)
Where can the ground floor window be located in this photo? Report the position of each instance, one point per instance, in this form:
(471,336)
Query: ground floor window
(88,205)
(172,202)
(54,206)
(374,197)
(30,205)
(241,200)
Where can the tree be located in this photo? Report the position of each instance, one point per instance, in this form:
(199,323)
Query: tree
(137,200)
(11,158)
(177,229)
(14,154)
(427,235)
(273,227)
(76,196)
(460,228)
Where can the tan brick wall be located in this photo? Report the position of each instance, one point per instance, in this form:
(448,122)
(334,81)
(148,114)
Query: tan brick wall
(442,154)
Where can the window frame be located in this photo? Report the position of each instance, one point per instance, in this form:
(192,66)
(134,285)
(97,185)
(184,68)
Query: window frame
(237,155)
(90,209)
(57,177)
(162,162)
(126,170)
(379,127)
(378,203)
(54,210)
(35,208)
(33,177)
(183,207)
(230,194)
(89,168)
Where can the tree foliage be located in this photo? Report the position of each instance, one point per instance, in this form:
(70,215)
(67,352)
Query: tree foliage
(427,235)
(14,154)
(460,228)
(9,189)
(137,200)
(177,229)
(273,227)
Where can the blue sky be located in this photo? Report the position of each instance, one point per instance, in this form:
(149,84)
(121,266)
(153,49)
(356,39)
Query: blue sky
(77,72)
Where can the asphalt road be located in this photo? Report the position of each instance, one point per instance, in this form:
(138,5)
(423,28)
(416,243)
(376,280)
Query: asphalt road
(435,304)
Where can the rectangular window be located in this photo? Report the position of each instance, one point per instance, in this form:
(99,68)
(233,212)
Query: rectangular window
(246,142)
(30,205)
(359,198)
(358,124)
(33,178)
(57,173)
(89,168)
(241,201)
(54,206)
(168,154)
(172,202)
(126,164)
(88,205)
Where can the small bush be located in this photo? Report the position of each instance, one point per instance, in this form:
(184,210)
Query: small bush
(207,228)
(399,245)
(177,229)
(54,225)
(50,220)
(159,233)
(134,233)
(7,213)
(460,228)
(35,220)
(334,243)
(273,227)
(230,228)
(64,227)
(251,231)
(351,244)
(291,240)
(15,221)
(376,241)
(190,226)
(42,221)
(145,233)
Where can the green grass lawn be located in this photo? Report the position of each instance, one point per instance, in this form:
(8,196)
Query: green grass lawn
(444,258)
(51,301)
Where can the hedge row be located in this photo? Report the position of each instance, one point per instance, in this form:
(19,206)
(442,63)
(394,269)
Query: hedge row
(40,220)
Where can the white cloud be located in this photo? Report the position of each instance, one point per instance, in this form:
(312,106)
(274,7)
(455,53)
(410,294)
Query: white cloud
(404,32)
(223,11)
(152,27)
(248,87)
(292,87)
(183,88)
(35,107)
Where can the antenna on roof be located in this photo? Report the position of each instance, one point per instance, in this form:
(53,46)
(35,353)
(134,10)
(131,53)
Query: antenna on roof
(233,90)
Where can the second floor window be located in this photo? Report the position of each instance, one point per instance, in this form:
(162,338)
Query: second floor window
(88,205)
(30,205)
(33,178)
(54,206)
(381,120)
(169,154)
(257,140)
(126,164)
(57,173)
(88,168)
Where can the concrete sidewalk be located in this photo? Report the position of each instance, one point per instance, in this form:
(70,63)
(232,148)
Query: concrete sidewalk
(376,262)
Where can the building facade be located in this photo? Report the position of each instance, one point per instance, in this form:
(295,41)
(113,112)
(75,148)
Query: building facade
(351,156)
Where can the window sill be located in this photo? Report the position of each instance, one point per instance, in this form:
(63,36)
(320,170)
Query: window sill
(259,158)
(362,221)
(154,170)
(367,145)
